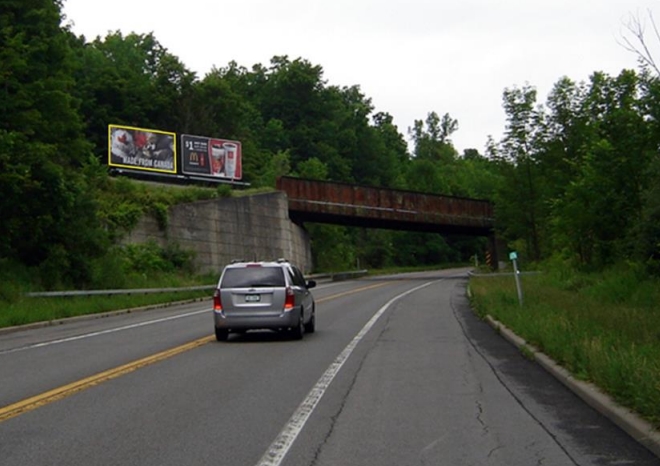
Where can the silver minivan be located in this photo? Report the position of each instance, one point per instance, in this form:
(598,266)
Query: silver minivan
(263,295)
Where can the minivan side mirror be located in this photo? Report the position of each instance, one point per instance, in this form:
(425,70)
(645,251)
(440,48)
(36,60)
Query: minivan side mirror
(311,284)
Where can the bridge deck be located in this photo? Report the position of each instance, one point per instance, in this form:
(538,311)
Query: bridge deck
(330,202)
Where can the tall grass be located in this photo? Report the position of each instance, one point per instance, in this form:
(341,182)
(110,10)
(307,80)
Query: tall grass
(30,310)
(604,328)
(122,266)
(129,267)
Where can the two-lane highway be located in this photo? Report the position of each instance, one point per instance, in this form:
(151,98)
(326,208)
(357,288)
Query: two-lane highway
(399,372)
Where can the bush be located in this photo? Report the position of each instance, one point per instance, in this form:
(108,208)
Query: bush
(224,190)
(150,258)
(145,258)
(161,213)
(14,279)
(110,271)
(181,259)
(124,216)
(617,284)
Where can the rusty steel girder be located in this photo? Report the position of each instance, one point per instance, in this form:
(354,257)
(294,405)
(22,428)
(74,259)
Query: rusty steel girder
(346,204)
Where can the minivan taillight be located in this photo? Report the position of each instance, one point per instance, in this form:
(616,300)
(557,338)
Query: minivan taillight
(289,300)
(217,302)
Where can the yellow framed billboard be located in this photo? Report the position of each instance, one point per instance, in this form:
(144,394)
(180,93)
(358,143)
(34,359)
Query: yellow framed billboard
(141,149)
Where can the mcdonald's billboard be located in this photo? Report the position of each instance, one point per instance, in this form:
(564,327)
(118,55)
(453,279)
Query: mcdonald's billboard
(210,156)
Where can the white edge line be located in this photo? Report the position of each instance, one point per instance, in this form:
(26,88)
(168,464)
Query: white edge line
(281,445)
(103,332)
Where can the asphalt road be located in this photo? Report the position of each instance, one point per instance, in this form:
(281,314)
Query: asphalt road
(399,372)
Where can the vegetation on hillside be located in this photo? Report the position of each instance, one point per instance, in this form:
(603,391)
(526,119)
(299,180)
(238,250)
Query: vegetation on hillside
(575,177)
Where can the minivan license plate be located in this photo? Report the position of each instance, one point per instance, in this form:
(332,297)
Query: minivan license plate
(252,298)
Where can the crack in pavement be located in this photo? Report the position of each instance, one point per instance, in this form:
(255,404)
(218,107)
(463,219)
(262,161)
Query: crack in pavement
(335,417)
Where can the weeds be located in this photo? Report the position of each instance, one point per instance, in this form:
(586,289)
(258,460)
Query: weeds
(132,266)
(604,327)
(29,310)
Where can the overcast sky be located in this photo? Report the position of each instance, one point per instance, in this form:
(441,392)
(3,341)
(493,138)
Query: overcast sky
(410,57)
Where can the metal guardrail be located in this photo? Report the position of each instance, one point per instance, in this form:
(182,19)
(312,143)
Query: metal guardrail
(502,274)
(348,275)
(63,294)
(337,276)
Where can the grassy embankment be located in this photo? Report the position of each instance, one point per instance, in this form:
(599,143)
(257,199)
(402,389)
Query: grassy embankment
(21,310)
(604,328)
(24,310)
(123,267)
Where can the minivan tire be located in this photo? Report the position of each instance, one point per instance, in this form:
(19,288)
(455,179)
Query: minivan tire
(298,331)
(311,325)
(221,334)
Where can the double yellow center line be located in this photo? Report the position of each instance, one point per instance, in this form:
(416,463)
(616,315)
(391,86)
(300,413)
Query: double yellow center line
(64,391)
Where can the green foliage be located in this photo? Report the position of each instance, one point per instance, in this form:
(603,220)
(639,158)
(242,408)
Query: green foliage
(423,249)
(313,169)
(181,259)
(35,64)
(124,201)
(131,80)
(432,138)
(149,258)
(374,248)
(47,205)
(15,279)
(645,234)
(124,215)
(331,248)
(29,310)
(575,177)
(223,190)
(142,266)
(278,165)
(520,201)
(161,214)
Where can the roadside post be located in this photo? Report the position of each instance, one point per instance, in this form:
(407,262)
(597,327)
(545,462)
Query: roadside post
(516,273)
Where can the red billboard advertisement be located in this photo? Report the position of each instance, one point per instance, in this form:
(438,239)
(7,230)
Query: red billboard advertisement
(141,149)
(220,158)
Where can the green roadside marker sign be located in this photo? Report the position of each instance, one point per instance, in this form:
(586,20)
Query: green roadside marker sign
(513,256)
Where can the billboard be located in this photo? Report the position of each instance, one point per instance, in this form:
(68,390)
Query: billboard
(210,156)
(141,149)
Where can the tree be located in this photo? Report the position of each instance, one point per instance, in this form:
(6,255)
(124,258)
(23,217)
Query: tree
(46,205)
(35,64)
(278,165)
(520,204)
(394,159)
(646,233)
(618,160)
(638,43)
(576,175)
(131,80)
(431,138)
(313,169)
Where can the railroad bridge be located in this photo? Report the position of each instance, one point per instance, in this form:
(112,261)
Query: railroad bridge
(371,207)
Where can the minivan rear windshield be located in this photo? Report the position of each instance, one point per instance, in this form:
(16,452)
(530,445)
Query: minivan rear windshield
(253,277)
